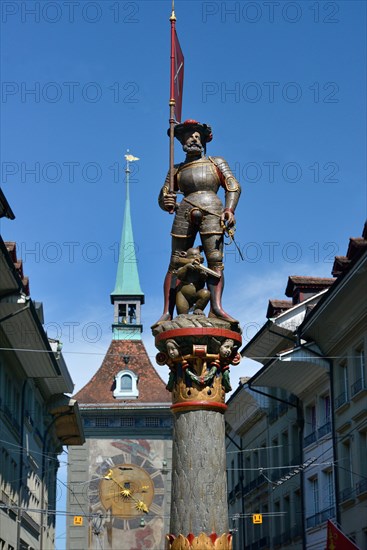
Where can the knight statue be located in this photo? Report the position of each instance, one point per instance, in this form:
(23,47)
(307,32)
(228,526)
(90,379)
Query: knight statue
(201,211)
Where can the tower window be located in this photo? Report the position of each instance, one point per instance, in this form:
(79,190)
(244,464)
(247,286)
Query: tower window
(122,313)
(127,313)
(132,314)
(126,385)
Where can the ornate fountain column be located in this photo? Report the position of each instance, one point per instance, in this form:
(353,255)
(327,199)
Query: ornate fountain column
(198,351)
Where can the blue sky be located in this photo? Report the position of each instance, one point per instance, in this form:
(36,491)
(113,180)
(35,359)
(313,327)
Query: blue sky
(283,86)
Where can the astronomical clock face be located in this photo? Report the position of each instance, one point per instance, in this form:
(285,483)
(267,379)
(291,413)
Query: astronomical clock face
(128,490)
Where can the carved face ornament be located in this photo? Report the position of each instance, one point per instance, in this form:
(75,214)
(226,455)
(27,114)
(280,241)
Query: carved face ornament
(226,348)
(172,349)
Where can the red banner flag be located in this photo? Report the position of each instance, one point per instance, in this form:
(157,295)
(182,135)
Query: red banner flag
(336,540)
(178,78)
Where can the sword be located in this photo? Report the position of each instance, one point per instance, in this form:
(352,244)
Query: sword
(230,233)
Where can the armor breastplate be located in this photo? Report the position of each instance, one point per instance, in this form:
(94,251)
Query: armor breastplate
(200,175)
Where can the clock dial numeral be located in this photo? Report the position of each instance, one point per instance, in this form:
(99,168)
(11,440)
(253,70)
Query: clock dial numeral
(159,491)
(127,457)
(126,525)
(155,474)
(93,491)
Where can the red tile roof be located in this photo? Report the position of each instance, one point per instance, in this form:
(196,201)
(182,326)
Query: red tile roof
(299,288)
(99,390)
(276,307)
(18,264)
(341,264)
(357,246)
(307,283)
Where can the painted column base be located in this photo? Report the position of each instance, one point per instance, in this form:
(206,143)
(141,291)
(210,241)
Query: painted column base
(202,542)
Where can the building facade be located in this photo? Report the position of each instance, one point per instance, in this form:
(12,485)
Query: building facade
(36,417)
(338,325)
(120,480)
(313,347)
(263,436)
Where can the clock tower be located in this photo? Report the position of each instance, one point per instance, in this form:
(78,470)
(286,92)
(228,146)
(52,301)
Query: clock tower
(120,480)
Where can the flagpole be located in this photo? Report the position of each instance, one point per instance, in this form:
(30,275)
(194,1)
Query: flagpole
(172,102)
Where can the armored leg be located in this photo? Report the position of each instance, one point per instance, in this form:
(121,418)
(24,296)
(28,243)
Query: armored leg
(213,248)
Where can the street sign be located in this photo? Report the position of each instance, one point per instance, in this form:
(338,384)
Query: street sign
(78,520)
(257,518)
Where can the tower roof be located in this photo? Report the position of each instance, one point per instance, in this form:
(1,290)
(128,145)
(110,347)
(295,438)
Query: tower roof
(99,390)
(127,278)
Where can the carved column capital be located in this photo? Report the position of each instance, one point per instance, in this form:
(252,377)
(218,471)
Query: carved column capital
(199,358)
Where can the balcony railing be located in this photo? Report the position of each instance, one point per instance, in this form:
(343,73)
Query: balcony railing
(325,429)
(361,487)
(260,480)
(340,400)
(31,522)
(329,513)
(4,497)
(346,494)
(358,386)
(320,517)
(11,418)
(311,438)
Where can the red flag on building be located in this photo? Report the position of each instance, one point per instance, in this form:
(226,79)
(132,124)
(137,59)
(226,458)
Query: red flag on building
(336,540)
(178,78)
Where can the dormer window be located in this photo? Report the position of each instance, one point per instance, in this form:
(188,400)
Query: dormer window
(126,382)
(126,385)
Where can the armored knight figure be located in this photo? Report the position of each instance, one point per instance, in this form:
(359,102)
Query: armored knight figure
(201,211)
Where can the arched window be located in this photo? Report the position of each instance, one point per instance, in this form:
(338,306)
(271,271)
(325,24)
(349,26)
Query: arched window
(126,382)
(126,385)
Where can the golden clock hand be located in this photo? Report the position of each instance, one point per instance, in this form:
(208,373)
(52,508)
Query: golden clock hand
(141,506)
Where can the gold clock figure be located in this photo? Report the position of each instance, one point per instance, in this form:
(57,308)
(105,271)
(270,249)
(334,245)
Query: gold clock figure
(127,490)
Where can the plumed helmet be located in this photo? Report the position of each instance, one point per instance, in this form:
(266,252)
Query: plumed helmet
(191,125)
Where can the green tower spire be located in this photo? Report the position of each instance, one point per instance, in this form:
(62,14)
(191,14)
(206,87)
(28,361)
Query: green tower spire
(127,296)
